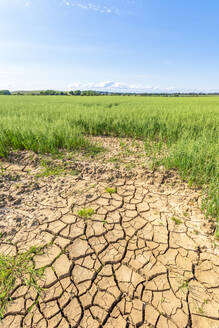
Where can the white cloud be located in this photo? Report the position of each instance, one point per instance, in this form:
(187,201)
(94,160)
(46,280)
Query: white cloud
(118,86)
(86,5)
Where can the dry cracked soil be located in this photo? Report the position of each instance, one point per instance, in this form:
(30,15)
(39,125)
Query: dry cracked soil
(125,245)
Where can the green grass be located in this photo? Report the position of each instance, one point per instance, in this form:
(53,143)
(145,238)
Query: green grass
(49,169)
(185,284)
(86,213)
(176,220)
(179,132)
(110,190)
(18,268)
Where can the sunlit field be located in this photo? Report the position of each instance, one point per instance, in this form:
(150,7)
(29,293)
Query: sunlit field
(186,127)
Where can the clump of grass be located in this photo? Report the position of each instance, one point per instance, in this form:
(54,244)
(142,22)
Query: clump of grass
(19,267)
(86,213)
(185,284)
(201,308)
(122,144)
(176,220)
(113,159)
(110,190)
(130,166)
(210,203)
(50,169)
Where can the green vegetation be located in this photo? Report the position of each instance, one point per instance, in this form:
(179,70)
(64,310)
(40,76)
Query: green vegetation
(201,308)
(4,92)
(86,213)
(185,284)
(50,169)
(176,220)
(180,132)
(53,93)
(111,190)
(18,268)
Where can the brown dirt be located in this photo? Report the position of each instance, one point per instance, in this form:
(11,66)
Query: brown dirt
(145,258)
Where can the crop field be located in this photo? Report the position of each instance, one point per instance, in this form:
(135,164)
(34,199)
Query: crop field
(187,127)
(126,180)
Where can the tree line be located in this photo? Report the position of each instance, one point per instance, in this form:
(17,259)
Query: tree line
(102,93)
(72,93)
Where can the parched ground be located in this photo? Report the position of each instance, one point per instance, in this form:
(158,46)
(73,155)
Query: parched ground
(146,257)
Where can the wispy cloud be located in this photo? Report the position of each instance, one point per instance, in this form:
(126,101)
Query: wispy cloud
(86,5)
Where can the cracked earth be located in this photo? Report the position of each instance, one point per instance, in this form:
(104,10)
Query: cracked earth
(146,257)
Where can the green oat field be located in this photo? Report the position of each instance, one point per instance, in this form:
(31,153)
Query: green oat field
(181,132)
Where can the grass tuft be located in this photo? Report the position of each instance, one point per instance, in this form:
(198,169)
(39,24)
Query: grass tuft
(176,220)
(86,213)
(110,190)
(18,268)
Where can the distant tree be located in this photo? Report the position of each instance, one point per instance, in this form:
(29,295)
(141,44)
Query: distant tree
(77,92)
(5,92)
(48,92)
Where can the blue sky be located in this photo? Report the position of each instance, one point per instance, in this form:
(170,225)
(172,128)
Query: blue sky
(128,45)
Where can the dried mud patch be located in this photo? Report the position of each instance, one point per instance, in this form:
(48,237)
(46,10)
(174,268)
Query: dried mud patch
(128,246)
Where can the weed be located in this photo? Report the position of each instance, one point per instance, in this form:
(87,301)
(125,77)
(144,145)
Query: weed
(122,144)
(18,267)
(51,170)
(113,159)
(176,220)
(130,166)
(110,190)
(86,213)
(185,284)
(210,203)
(201,308)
